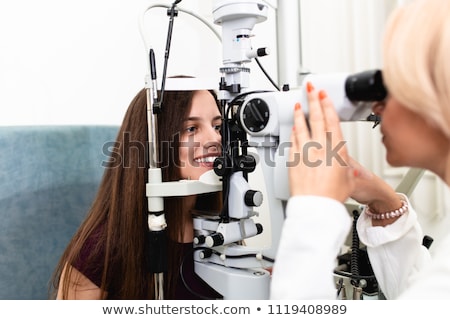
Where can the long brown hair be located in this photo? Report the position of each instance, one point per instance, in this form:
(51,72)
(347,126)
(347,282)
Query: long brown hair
(118,216)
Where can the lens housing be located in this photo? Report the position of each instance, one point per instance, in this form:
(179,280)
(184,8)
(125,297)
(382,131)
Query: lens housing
(365,86)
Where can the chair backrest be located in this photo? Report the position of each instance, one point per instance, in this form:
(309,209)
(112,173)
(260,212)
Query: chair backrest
(49,176)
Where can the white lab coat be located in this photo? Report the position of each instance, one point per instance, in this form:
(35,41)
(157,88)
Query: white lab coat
(314,232)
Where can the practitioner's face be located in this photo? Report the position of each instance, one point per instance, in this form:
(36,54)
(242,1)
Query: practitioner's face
(200,139)
(409,139)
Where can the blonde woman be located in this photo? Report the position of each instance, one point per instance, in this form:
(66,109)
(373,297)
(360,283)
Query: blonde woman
(416,132)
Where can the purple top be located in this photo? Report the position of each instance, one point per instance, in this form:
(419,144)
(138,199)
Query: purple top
(189,285)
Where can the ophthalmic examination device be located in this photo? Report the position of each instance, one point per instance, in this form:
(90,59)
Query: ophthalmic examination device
(252,120)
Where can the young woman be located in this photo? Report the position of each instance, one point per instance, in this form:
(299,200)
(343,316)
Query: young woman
(416,133)
(107,257)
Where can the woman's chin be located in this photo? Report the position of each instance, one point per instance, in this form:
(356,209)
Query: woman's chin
(393,161)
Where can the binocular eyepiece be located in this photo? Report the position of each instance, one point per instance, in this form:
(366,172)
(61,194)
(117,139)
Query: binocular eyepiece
(365,86)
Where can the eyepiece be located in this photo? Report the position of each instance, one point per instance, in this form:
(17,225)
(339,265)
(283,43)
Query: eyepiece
(365,86)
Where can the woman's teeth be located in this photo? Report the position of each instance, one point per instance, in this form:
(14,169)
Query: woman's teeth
(205,159)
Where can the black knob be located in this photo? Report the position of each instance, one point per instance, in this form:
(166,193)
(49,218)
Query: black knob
(221,166)
(427,241)
(246,163)
(259,228)
(199,239)
(261,52)
(255,115)
(214,240)
(206,253)
(253,198)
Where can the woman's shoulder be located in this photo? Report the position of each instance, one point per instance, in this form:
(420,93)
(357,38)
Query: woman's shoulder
(91,257)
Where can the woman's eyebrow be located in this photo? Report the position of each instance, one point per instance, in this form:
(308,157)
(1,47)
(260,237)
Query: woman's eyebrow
(191,119)
(199,118)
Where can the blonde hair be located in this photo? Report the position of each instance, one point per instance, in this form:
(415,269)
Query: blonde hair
(416,56)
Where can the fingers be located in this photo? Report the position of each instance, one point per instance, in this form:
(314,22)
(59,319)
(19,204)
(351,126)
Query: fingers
(316,117)
(359,170)
(323,120)
(300,126)
(300,132)
(331,118)
(322,113)
(322,165)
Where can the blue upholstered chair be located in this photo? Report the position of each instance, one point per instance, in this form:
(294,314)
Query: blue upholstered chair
(48,178)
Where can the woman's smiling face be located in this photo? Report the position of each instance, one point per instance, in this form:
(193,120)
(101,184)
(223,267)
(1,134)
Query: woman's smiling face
(200,139)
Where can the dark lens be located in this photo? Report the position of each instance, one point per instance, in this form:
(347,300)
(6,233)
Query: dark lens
(365,86)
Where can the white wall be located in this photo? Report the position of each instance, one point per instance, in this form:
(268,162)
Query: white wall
(77,62)
(66,62)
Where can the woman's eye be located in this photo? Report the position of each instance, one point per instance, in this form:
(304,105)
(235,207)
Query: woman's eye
(218,127)
(191,129)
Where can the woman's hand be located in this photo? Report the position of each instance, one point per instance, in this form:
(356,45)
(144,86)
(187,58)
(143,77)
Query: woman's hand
(319,162)
(366,183)
(373,191)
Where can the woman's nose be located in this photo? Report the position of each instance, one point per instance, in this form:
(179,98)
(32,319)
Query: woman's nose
(213,139)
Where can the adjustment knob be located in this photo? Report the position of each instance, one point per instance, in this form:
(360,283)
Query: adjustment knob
(206,253)
(246,163)
(199,239)
(214,240)
(259,228)
(255,115)
(221,166)
(253,198)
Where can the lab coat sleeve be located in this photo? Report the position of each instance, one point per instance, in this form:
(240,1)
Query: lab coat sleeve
(395,252)
(313,234)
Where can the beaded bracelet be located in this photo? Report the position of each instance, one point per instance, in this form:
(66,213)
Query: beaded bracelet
(388,215)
